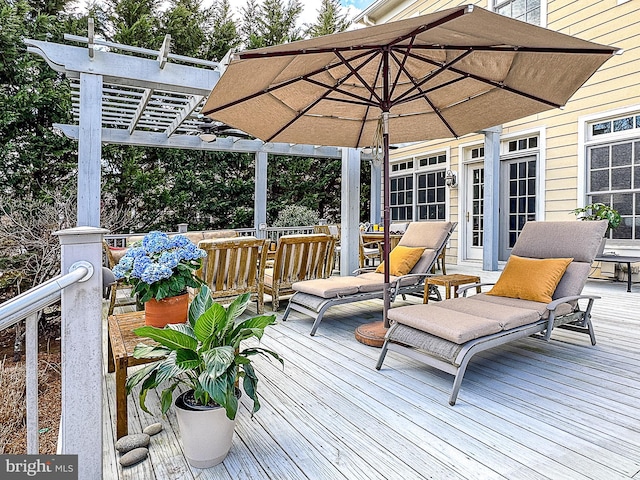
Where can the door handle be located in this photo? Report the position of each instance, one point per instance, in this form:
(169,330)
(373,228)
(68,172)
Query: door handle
(467,216)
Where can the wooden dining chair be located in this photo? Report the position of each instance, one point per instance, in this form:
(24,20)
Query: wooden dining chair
(234,266)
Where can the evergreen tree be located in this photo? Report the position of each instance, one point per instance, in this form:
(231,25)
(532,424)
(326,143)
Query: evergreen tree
(184,21)
(32,97)
(330,19)
(135,22)
(221,31)
(271,23)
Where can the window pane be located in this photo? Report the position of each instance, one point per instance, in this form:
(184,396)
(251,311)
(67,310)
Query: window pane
(599,180)
(623,124)
(624,230)
(623,203)
(422,196)
(513,146)
(409,183)
(533,17)
(621,154)
(522,144)
(600,157)
(621,178)
(636,149)
(601,128)
(422,181)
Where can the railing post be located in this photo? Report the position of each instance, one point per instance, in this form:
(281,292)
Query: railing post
(81,426)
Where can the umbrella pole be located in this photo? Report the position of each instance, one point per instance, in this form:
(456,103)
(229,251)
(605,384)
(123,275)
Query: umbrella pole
(387,217)
(373,334)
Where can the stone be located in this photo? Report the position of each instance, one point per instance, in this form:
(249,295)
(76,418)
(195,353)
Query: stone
(152,429)
(134,456)
(129,442)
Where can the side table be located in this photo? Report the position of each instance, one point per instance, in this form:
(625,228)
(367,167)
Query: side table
(447,281)
(122,341)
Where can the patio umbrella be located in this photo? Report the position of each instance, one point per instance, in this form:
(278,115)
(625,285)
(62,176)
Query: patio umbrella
(440,75)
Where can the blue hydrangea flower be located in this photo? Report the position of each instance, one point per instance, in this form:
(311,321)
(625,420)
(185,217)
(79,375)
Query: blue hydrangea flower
(170,259)
(153,261)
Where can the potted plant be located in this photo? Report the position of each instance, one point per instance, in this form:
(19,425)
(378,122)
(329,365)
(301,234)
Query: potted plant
(600,211)
(206,356)
(160,269)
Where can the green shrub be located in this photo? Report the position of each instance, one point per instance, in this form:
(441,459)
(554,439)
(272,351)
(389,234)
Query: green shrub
(296,216)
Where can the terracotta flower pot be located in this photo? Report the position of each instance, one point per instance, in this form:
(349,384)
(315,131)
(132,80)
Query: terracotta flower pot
(159,313)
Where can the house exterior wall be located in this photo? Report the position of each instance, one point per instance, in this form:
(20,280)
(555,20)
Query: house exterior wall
(563,136)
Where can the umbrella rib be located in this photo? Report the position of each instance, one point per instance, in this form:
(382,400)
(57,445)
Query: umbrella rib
(489,82)
(517,49)
(417,86)
(366,113)
(431,75)
(356,73)
(280,85)
(429,90)
(311,105)
(344,92)
(401,65)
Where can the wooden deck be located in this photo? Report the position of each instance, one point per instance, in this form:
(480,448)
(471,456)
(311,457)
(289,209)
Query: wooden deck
(527,410)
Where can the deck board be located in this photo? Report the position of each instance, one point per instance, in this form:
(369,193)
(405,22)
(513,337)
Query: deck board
(527,410)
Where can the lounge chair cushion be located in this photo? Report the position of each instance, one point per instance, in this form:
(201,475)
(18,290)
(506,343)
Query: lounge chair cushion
(328,287)
(539,307)
(445,323)
(462,319)
(402,259)
(530,278)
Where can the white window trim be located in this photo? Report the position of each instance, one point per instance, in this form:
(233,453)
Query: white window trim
(491,4)
(584,141)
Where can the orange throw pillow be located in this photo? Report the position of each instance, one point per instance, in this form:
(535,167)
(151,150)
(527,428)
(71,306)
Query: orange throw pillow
(402,260)
(530,278)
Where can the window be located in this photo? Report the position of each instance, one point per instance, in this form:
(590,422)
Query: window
(614,179)
(419,194)
(402,198)
(529,11)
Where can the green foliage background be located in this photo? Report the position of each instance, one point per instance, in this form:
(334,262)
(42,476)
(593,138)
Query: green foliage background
(159,187)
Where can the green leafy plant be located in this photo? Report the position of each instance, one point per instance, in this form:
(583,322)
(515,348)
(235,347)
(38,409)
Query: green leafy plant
(205,355)
(599,211)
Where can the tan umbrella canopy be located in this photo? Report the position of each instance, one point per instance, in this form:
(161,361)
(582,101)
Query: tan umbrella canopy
(440,75)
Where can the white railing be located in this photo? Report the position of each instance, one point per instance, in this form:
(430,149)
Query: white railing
(26,307)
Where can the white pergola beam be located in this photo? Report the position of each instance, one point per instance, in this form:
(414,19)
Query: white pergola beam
(126,69)
(193,142)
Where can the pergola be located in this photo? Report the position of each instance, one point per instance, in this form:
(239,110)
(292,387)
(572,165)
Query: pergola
(153,98)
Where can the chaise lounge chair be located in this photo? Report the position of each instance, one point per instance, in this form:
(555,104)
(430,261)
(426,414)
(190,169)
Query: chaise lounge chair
(315,297)
(538,291)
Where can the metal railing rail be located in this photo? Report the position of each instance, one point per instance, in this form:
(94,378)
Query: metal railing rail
(26,307)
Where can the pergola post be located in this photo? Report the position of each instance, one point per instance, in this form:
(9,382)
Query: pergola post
(491,198)
(375,212)
(350,211)
(81,366)
(260,195)
(89,150)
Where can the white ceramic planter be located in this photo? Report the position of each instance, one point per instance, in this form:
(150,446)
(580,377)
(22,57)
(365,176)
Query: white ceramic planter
(206,434)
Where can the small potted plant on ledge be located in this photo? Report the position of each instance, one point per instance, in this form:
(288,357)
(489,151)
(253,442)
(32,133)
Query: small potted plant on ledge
(204,355)
(160,269)
(599,211)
